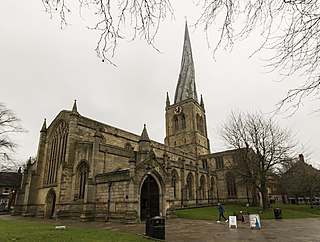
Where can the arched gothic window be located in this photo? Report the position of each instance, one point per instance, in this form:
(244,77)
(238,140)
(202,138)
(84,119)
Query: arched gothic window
(183,122)
(82,176)
(175,124)
(57,152)
(231,184)
(174,184)
(202,188)
(219,162)
(200,125)
(204,164)
(190,186)
(212,187)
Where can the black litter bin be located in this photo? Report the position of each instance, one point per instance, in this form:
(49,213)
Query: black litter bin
(155,227)
(277,213)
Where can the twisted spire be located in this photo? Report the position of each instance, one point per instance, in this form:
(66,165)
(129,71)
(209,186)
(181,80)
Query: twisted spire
(186,87)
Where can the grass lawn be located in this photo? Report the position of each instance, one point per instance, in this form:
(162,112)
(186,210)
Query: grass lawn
(14,230)
(288,211)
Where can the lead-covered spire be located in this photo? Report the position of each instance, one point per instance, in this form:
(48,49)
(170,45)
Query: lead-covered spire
(186,87)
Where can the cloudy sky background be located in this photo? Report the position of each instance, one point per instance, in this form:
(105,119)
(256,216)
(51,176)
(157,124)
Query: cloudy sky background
(43,69)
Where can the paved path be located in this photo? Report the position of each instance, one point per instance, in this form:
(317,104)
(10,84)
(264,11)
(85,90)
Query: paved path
(178,230)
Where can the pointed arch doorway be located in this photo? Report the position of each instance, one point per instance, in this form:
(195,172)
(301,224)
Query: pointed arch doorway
(149,199)
(50,204)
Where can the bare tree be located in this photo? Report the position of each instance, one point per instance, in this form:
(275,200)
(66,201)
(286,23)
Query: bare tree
(289,28)
(143,17)
(263,147)
(9,125)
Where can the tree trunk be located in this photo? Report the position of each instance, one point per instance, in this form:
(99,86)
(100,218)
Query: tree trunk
(265,198)
(311,201)
(254,196)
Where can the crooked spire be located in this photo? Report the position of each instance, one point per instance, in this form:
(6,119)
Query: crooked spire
(186,87)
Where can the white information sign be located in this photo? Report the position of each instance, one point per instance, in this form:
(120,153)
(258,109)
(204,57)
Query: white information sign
(233,222)
(255,221)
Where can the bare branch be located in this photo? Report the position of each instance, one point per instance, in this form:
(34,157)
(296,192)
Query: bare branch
(9,125)
(291,28)
(142,16)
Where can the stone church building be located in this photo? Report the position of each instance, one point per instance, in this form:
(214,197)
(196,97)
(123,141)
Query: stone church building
(89,170)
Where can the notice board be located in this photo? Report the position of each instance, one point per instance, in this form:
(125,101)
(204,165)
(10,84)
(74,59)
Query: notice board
(233,222)
(255,221)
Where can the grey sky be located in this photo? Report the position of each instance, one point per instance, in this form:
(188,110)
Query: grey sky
(43,69)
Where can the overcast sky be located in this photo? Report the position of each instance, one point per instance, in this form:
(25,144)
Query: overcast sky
(43,69)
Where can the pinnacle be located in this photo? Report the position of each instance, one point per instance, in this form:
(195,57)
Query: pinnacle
(144,135)
(44,126)
(74,108)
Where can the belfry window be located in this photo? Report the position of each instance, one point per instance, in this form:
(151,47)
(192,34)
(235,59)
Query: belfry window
(200,125)
(175,124)
(57,152)
(183,122)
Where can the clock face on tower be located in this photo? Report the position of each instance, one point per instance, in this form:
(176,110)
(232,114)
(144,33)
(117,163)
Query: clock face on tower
(177,110)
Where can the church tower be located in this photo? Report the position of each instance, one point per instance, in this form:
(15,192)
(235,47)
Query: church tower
(186,126)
